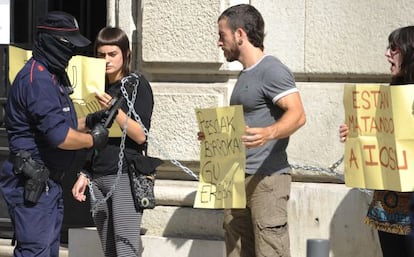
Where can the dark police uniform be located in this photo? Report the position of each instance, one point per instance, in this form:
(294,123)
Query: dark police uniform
(39,113)
(40,122)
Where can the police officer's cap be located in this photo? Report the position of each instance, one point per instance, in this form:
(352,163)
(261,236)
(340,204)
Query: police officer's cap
(62,24)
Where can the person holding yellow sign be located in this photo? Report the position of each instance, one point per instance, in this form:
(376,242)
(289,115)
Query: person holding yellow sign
(273,110)
(389,210)
(117,218)
(46,140)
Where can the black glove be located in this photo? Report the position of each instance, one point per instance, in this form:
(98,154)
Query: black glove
(96,117)
(100,136)
(111,115)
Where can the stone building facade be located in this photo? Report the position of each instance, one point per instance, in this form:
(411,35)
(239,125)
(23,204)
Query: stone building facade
(327,44)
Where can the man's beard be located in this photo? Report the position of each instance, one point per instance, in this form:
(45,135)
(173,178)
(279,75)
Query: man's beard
(233,53)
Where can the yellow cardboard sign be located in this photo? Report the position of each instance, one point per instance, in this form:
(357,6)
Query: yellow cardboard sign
(86,74)
(222,158)
(379,150)
(17,58)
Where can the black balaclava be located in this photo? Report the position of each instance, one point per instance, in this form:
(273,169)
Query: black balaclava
(57,37)
(56,53)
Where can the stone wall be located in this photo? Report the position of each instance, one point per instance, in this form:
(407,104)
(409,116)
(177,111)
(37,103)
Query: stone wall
(326,44)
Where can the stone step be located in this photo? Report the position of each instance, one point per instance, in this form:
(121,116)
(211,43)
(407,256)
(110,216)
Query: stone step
(316,210)
(85,242)
(175,192)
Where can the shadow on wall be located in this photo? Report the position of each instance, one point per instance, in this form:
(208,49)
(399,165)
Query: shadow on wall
(190,232)
(349,235)
(190,223)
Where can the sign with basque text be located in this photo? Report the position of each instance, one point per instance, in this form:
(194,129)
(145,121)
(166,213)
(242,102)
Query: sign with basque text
(379,149)
(222,158)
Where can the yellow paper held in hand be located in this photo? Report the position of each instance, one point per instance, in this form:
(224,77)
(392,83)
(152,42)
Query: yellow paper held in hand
(222,158)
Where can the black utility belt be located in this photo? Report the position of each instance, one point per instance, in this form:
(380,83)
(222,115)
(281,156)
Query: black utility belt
(36,175)
(24,164)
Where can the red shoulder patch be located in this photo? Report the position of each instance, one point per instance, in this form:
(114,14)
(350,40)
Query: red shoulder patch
(40,67)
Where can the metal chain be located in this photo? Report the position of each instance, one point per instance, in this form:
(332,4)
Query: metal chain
(329,170)
(134,82)
(152,140)
(95,204)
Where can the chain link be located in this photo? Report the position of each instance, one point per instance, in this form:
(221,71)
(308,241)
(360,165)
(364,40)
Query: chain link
(95,204)
(330,170)
(132,80)
(153,141)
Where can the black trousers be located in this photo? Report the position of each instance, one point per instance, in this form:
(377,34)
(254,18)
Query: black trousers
(394,245)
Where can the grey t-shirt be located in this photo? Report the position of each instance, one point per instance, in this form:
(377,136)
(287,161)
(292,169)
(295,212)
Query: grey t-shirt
(258,88)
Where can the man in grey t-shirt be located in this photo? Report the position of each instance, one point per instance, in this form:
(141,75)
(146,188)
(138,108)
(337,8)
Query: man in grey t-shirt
(273,111)
(259,88)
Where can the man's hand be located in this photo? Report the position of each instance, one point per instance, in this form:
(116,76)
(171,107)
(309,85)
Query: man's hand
(255,137)
(100,136)
(201,136)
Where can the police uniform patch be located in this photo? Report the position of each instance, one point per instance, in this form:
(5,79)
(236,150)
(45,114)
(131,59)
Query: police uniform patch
(40,68)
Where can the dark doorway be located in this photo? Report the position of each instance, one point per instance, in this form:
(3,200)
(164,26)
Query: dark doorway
(91,16)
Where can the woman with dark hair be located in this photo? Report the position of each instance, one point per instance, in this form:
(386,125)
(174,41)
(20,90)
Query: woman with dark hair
(389,210)
(402,40)
(117,219)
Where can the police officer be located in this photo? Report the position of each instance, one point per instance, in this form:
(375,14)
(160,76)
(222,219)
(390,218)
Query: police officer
(45,138)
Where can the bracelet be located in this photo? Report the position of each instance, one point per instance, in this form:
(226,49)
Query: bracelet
(83,174)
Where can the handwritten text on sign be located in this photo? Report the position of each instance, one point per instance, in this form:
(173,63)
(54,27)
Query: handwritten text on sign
(379,150)
(222,158)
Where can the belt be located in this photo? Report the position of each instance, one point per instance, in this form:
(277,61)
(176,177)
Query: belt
(55,175)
